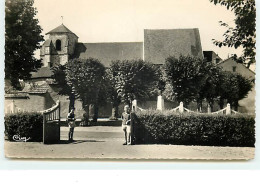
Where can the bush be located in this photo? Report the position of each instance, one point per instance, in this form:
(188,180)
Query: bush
(25,125)
(154,127)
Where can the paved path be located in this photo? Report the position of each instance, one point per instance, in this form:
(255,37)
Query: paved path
(106,142)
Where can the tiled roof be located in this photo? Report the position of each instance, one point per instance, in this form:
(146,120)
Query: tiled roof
(44,72)
(162,43)
(61,29)
(107,52)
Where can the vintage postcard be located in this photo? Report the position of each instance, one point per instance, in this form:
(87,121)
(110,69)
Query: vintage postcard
(132,79)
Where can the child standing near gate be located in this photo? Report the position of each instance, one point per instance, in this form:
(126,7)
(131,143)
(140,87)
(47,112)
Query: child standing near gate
(126,125)
(71,123)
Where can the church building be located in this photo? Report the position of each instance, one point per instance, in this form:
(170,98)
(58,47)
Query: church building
(62,45)
(158,44)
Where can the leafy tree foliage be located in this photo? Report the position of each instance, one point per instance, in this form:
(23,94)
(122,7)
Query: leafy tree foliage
(132,79)
(193,79)
(227,88)
(59,75)
(209,89)
(185,77)
(244,33)
(87,77)
(232,87)
(160,83)
(244,86)
(22,38)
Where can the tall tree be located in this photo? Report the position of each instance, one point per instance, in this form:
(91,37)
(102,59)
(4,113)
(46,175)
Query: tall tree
(232,88)
(227,88)
(87,78)
(65,87)
(244,33)
(209,89)
(185,76)
(22,38)
(132,79)
(244,85)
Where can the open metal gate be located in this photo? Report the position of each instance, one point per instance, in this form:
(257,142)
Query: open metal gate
(51,124)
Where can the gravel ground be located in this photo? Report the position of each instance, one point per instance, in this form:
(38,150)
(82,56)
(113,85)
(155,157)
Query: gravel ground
(106,143)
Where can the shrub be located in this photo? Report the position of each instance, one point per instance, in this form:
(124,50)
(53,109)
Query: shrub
(154,127)
(24,124)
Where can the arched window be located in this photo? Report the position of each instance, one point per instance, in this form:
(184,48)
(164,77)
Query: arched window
(58,45)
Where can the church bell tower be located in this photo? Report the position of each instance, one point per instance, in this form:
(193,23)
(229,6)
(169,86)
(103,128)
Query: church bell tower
(59,47)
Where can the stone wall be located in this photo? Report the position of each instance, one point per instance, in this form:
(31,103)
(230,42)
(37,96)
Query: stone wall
(58,59)
(46,59)
(33,104)
(72,40)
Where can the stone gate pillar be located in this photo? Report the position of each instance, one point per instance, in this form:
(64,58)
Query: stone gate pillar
(209,109)
(134,105)
(160,103)
(181,108)
(228,110)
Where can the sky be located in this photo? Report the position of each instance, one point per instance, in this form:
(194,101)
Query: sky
(125,20)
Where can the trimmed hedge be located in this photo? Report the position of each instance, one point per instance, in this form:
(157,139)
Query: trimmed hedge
(154,127)
(25,125)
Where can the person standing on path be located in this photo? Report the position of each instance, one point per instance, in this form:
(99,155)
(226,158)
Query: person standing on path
(126,125)
(71,123)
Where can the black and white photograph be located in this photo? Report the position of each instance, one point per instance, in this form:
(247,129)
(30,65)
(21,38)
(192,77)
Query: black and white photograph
(130,79)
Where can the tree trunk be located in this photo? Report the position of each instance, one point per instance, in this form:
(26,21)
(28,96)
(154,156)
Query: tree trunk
(72,101)
(236,105)
(95,113)
(85,116)
(221,103)
(199,106)
(210,107)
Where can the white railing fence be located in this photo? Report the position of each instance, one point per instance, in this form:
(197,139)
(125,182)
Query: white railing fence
(227,110)
(181,109)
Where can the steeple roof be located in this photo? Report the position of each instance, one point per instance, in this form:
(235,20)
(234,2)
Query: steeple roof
(61,29)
